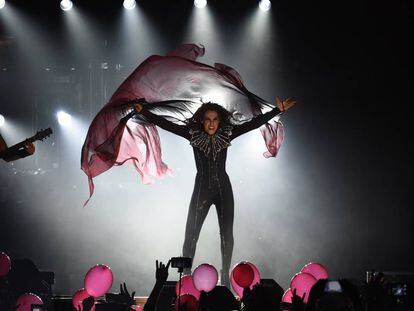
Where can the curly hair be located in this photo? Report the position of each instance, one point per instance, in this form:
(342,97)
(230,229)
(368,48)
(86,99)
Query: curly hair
(196,121)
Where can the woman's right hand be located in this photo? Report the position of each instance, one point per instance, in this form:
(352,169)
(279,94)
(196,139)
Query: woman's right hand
(285,104)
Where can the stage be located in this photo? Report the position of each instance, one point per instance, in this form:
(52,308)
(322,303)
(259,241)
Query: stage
(330,183)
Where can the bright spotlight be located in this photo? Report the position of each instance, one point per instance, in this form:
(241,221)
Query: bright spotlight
(129,4)
(64,118)
(265,5)
(2,120)
(2,4)
(66,5)
(200,3)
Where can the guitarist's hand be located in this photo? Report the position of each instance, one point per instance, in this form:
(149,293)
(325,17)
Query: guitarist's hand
(29,148)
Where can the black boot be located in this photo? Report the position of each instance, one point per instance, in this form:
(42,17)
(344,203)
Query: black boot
(186,271)
(224,278)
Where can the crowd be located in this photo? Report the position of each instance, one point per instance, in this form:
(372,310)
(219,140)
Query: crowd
(266,295)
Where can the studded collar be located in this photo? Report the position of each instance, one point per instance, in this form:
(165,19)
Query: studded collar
(211,143)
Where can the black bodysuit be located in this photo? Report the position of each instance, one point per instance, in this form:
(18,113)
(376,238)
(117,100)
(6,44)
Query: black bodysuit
(212,184)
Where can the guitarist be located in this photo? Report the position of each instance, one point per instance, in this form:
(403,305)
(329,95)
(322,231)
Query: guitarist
(12,154)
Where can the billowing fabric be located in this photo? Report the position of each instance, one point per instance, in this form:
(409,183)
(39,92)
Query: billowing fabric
(174,87)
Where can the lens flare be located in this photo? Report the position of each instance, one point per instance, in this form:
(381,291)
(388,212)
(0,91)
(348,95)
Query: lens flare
(200,3)
(129,4)
(64,119)
(66,5)
(265,5)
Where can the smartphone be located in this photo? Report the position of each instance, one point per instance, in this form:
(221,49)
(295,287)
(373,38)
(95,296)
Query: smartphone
(181,262)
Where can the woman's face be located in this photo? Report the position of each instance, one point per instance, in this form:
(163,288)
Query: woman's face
(211,122)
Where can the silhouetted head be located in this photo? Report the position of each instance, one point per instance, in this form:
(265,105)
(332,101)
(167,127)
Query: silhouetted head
(209,118)
(218,299)
(334,302)
(331,295)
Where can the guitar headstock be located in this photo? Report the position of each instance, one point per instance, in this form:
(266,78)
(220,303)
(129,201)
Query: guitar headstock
(42,134)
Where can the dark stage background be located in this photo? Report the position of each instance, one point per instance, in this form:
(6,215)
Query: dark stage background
(338,193)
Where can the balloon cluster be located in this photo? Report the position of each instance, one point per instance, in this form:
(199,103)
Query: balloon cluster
(303,281)
(189,287)
(98,280)
(205,277)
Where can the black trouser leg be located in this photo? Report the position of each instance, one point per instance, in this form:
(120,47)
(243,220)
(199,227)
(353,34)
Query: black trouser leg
(197,212)
(225,213)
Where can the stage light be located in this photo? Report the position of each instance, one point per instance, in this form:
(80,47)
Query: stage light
(2,4)
(66,5)
(2,120)
(265,5)
(200,3)
(129,4)
(64,118)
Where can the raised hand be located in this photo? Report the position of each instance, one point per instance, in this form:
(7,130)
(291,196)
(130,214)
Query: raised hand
(124,295)
(285,104)
(297,302)
(378,298)
(377,280)
(161,273)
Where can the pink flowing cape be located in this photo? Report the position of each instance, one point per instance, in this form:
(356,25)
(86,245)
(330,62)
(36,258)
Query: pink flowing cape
(173,86)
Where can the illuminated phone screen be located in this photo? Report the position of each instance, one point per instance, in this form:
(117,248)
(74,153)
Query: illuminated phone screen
(333,286)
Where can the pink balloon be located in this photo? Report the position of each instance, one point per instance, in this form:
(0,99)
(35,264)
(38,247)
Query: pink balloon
(189,301)
(205,277)
(5,264)
(303,283)
(316,269)
(243,274)
(237,288)
(287,296)
(26,301)
(136,308)
(187,287)
(78,297)
(98,280)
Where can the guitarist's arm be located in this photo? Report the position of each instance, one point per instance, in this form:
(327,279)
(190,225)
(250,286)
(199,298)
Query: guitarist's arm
(22,149)
(3,145)
(12,154)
